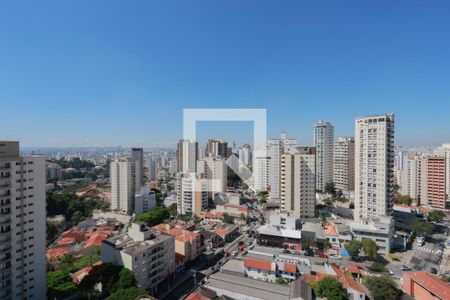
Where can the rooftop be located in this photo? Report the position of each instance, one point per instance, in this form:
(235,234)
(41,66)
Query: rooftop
(249,287)
(429,282)
(259,264)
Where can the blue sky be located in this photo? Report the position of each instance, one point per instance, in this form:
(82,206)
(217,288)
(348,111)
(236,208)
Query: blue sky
(81,73)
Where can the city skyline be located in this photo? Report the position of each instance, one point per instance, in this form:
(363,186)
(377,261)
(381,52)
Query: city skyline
(104,83)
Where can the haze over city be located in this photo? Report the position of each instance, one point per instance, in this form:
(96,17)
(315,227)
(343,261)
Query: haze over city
(225,150)
(108,74)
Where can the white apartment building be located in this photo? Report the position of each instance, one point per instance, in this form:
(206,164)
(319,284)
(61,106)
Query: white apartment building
(261,170)
(192,195)
(137,154)
(245,154)
(298,190)
(276,149)
(22,224)
(53,170)
(324,143)
(344,164)
(144,200)
(214,170)
(374,165)
(150,255)
(122,177)
(187,153)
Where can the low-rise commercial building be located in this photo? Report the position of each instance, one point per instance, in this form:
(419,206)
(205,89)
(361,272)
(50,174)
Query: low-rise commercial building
(380,230)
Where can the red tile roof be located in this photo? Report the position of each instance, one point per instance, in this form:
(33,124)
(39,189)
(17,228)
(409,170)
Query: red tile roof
(259,264)
(79,275)
(187,236)
(347,280)
(291,268)
(429,282)
(66,241)
(95,240)
(197,296)
(58,252)
(330,230)
(354,268)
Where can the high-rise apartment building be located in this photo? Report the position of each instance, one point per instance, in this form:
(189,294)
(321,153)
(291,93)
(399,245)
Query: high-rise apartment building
(192,195)
(445,151)
(344,164)
(324,143)
(261,170)
(214,170)
(153,164)
(187,153)
(137,154)
(374,165)
(276,149)
(22,224)
(217,148)
(144,200)
(123,187)
(245,154)
(298,190)
(436,181)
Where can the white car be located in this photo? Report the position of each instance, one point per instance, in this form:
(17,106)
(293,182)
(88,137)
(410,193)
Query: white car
(234,253)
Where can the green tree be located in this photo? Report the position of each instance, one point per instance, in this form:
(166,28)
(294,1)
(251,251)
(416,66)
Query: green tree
(329,288)
(59,285)
(127,294)
(422,228)
(227,218)
(436,216)
(52,232)
(396,188)
(403,200)
(280,280)
(378,267)
(330,189)
(382,288)
(370,248)
(353,247)
(154,216)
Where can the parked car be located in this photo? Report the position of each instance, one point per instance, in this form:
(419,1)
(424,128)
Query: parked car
(234,253)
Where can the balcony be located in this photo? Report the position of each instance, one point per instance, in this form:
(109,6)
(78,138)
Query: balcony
(5,166)
(5,203)
(5,246)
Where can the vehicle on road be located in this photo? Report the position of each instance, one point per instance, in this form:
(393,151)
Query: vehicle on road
(404,268)
(234,253)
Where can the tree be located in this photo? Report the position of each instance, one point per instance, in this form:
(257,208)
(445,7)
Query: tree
(227,218)
(422,228)
(403,200)
(329,288)
(382,288)
(330,189)
(52,232)
(154,216)
(396,188)
(59,285)
(353,247)
(127,294)
(378,267)
(280,280)
(436,216)
(370,248)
